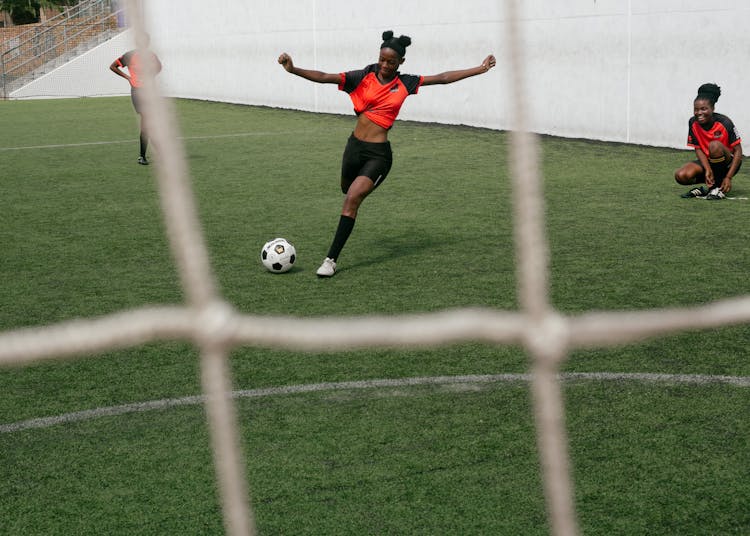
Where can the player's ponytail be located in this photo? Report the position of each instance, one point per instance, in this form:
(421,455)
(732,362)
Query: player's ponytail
(398,44)
(709,92)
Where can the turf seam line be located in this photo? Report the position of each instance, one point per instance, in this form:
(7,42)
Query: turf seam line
(138,407)
(117,142)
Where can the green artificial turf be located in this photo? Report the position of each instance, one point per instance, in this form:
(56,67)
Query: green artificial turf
(83,236)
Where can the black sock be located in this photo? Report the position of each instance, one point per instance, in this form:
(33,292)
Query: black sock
(346,224)
(144,144)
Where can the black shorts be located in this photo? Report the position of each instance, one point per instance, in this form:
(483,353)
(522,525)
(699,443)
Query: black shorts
(720,169)
(136,96)
(372,160)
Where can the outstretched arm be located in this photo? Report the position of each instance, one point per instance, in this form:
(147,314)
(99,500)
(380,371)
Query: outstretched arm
(449,77)
(315,76)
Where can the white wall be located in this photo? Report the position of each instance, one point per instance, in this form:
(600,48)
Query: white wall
(628,70)
(620,70)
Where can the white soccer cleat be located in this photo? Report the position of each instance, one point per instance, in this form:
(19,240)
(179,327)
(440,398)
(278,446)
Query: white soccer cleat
(715,193)
(327,269)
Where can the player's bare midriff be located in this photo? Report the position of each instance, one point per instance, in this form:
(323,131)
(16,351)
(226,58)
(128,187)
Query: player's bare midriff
(366,130)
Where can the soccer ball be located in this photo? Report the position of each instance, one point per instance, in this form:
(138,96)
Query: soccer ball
(278,255)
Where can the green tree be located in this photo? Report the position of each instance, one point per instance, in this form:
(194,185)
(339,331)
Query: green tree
(27,11)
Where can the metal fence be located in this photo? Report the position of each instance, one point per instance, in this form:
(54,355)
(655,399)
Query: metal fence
(41,48)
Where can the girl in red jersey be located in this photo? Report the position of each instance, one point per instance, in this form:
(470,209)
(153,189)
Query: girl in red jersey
(717,145)
(377,92)
(134,63)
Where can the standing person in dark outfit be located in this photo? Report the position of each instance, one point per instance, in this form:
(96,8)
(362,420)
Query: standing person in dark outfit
(377,92)
(718,148)
(135,65)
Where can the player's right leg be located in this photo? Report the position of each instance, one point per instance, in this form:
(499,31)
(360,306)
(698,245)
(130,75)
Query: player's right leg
(364,167)
(691,173)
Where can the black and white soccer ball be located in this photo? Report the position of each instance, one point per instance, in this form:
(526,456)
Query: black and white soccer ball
(278,255)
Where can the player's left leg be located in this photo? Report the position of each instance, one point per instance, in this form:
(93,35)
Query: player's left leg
(720,158)
(143,143)
(137,99)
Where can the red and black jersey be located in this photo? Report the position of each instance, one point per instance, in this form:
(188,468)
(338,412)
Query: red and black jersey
(379,102)
(722,130)
(133,61)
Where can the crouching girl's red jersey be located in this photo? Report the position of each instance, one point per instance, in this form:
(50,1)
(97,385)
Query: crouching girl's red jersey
(723,130)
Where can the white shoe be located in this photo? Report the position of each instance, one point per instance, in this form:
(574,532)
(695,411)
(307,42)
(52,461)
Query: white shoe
(715,193)
(327,269)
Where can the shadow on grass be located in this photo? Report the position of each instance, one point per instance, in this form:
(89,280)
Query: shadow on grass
(387,249)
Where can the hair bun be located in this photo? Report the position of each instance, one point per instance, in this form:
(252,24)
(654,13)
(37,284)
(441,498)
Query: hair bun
(398,44)
(709,91)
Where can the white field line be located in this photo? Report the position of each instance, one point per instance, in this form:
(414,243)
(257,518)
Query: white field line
(138,407)
(135,140)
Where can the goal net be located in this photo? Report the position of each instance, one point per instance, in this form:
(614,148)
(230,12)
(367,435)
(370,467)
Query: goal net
(211,323)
